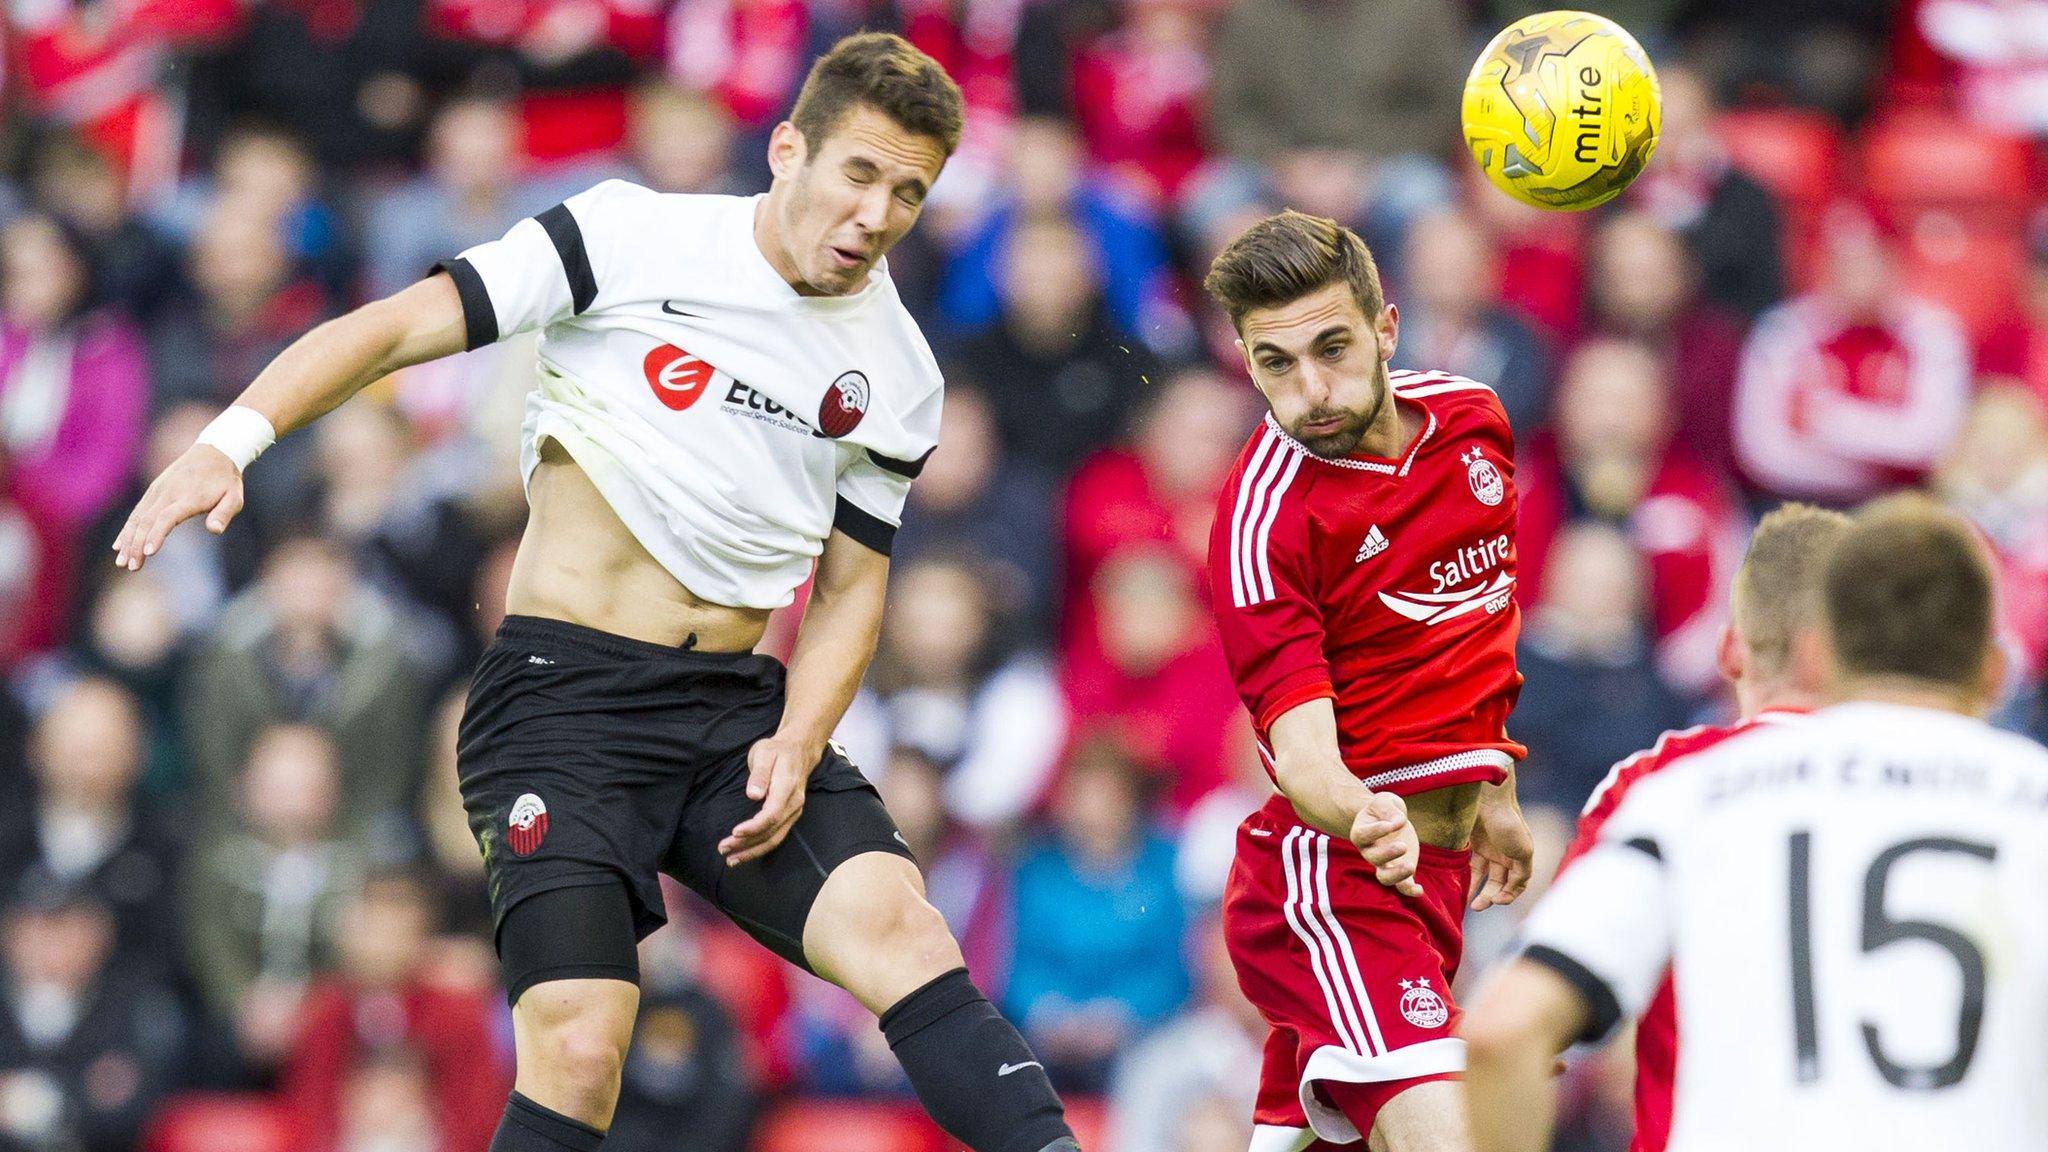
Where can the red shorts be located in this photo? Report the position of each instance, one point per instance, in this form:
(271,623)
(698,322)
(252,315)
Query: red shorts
(1354,978)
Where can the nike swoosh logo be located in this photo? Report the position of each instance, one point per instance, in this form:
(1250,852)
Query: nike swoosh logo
(675,311)
(901,840)
(1006,1069)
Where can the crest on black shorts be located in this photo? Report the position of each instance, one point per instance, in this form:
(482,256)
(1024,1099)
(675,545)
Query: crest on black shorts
(528,825)
(845,402)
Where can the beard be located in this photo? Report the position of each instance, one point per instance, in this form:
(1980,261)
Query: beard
(1342,440)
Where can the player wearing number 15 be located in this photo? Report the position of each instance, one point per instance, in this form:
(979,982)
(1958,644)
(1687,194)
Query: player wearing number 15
(1850,905)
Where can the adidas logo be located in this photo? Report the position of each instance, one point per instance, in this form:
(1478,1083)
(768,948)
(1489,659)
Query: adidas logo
(1375,543)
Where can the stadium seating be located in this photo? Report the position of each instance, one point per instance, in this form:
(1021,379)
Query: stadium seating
(1793,152)
(221,1122)
(1924,158)
(848,1126)
(1959,195)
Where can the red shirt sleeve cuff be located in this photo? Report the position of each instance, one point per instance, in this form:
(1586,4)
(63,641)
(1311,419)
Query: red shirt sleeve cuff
(1298,689)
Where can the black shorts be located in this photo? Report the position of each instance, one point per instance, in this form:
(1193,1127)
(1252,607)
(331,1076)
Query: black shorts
(587,758)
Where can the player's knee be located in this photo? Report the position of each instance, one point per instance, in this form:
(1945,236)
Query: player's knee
(586,1061)
(573,1049)
(923,934)
(905,928)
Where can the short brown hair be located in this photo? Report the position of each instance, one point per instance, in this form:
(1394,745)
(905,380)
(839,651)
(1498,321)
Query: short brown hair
(885,72)
(1285,257)
(1909,592)
(1777,589)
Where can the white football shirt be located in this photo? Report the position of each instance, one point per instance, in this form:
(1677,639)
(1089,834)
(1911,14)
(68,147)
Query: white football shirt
(1855,910)
(729,421)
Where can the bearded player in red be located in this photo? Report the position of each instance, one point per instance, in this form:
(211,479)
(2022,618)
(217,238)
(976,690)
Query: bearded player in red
(1362,569)
(1777,596)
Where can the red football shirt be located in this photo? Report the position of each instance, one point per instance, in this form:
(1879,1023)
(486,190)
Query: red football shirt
(1385,584)
(1657,1030)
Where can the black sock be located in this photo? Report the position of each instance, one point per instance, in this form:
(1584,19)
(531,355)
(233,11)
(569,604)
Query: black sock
(528,1127)
(972,1071)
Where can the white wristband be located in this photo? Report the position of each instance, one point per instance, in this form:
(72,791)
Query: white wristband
(240,433)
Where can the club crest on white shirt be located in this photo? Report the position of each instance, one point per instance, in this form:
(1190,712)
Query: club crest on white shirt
(844,403)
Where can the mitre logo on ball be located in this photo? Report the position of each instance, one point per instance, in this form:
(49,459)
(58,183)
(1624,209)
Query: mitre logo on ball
(845,402)
(528,825)
(1421,1006)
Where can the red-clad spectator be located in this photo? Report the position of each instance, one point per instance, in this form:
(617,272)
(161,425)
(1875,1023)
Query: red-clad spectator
(1139,93)
(1538,254)
(1644,285)
(1991,54)
(1997,475)
(1158,486)
(387,998)
(97,67)
(1856,387)
(1161,688)
(574,60)
(973,40)
(749,55)
(1611,456)
(74,387)
(2016,347)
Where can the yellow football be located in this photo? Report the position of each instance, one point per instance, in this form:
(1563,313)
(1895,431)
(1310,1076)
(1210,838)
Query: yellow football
(1561,110)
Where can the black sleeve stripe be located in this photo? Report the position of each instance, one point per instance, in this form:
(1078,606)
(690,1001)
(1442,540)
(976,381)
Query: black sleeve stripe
(479,316)
(1647,847)
(908,469)
(1603,1008)
(562,229)
(864,526)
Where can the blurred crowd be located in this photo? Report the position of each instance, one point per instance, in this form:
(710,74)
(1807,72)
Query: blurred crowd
(237,889)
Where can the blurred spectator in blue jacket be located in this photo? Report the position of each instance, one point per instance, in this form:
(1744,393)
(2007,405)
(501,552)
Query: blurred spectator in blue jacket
(1047,175)
(974,497)
(469,192)
(1101,962)
(1062,376)
(135,264)
(1590,693)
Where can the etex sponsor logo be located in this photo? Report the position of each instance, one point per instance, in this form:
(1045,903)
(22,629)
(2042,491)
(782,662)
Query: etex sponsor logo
(678,378)
(1451,598)
(744,401)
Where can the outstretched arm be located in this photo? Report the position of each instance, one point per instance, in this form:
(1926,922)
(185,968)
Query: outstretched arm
(1526,1015)
(310,378)
(833,646)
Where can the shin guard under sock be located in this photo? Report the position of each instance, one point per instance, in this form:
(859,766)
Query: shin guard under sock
(972,1071)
